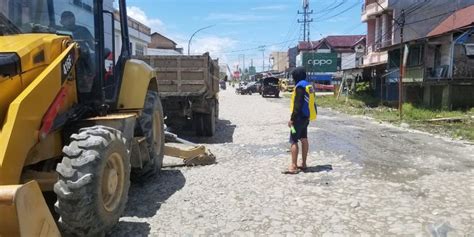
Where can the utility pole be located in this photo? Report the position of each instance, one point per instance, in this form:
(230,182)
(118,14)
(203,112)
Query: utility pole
(262,48)
(270,64)
(401,24)
(243,64)
(306,20)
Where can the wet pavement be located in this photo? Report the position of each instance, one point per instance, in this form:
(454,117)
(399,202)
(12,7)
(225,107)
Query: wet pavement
(365,179)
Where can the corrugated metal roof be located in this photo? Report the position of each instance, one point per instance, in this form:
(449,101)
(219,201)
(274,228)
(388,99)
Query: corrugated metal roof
(459,19)
(334,41)
(344,41)
(163,52)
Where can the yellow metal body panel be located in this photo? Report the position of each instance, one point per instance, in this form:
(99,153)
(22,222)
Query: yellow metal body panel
(24,212)
(9,89)
(28,47)
(137,77)
(24,116)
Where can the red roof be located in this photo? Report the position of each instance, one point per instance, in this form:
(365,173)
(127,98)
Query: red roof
(344,41)
(304,45)
(336,41)
(459,19)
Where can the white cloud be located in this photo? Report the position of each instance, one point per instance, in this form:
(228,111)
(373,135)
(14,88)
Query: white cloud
(215,45)
(233,17)
(270,8)
(138,14)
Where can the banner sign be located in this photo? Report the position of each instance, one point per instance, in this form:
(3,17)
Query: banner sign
(320,62)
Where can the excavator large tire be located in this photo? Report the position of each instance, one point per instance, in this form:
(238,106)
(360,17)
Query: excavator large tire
(94,179)
(151,125)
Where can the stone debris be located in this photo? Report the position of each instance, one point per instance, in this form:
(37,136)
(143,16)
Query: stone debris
(359,183)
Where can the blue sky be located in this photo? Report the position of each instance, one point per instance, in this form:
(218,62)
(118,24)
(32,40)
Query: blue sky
(240,26)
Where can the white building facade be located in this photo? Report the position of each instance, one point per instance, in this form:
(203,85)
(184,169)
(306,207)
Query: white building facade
(139,33)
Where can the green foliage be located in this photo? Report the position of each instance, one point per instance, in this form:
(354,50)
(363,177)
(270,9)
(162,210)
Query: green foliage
(363,88)
(412,112)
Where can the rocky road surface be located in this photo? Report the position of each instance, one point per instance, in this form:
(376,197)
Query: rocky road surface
(366,179)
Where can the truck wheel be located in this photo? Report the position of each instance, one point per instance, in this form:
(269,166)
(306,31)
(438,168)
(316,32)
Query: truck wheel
(277,95)
(94,179)
(198,120)
(217,109)
(151,125)
(209,121)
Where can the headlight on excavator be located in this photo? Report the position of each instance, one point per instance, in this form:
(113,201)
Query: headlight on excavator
(10,64)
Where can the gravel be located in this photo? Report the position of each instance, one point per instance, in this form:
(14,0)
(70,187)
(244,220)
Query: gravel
(365,178)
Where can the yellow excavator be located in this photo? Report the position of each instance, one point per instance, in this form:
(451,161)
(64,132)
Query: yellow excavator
(79,118)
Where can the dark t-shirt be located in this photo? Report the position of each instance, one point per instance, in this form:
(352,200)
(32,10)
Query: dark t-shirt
(82,34)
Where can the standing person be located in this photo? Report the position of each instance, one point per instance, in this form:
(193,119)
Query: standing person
(303,110)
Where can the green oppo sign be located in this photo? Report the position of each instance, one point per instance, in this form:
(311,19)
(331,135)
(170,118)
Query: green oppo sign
(320,62)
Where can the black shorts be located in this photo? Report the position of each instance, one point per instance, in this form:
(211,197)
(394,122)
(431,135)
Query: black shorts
(301,127)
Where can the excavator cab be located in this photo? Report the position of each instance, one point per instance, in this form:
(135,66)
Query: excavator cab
(78,117)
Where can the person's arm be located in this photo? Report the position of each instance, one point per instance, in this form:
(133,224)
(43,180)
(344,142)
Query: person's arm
(298,103)
(85,35)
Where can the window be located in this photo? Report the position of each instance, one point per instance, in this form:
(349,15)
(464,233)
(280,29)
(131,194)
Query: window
(83,5)
(394,59)
(437,56)
(139,50)
(415,56)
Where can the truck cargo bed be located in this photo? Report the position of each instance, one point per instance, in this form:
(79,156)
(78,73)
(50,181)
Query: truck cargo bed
(183,75)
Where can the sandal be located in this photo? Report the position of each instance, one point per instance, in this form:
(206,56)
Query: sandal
(302,168)
(291,172)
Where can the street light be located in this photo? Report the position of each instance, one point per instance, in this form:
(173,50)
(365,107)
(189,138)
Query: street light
(192,36)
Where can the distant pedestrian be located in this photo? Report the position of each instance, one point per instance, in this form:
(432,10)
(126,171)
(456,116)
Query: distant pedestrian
(303,110)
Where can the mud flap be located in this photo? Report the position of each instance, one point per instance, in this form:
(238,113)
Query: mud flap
(23,212)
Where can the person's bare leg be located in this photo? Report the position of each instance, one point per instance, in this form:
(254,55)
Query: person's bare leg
(294,157)
(304,152)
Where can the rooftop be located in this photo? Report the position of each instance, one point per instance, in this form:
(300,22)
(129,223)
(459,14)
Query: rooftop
(334,41)
(459,19)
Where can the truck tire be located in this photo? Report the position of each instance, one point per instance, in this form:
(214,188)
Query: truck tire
(198,124)
(209,121)
(151,126)
(277,95)
(217,109)
(94,179)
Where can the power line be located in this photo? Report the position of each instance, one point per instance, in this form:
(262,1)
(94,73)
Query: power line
(430,18)
(330,9)
(290,34)
(341,12)
(255,48)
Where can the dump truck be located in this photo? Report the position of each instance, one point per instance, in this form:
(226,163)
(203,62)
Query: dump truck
(79,118)
(188,87)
